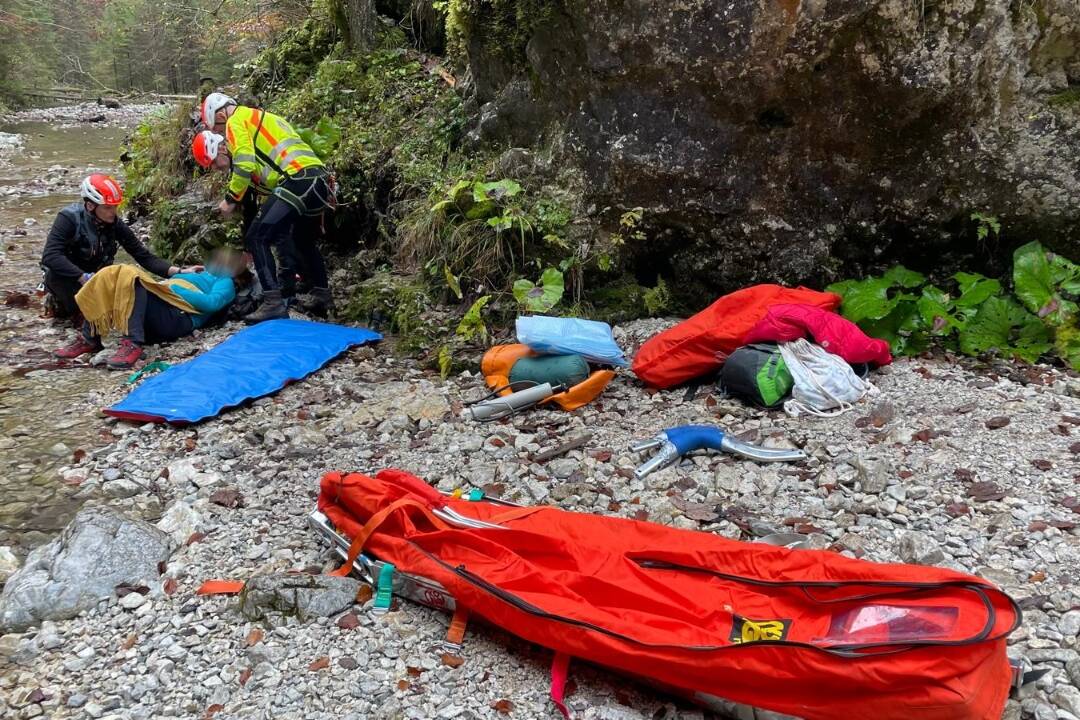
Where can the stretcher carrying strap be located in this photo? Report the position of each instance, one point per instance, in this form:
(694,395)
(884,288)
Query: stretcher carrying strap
(373,524)
(455,634)
(560,668)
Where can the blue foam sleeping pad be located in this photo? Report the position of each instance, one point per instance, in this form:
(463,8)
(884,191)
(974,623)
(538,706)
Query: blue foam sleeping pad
(254,362)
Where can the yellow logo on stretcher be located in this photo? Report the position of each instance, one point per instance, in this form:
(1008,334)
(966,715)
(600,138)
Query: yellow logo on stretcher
(744,630)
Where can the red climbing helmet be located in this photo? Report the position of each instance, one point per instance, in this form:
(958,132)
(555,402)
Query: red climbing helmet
(205,147)
(102,190)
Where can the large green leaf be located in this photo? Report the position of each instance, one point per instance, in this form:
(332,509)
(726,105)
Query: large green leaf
(472,323)
(495,190)
(936,310)
(896,328)
(841,288)
(541,298)
(323,138)
(975,289)
(1003,327)
(900,275)
(1032,278)
(329,130)
(452,282)
(868,300)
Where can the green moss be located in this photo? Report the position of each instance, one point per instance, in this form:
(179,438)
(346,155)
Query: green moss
(186,229)
(157,160)
(1069,99)
(395,303)
(497,28)
(398,119)
(295,55)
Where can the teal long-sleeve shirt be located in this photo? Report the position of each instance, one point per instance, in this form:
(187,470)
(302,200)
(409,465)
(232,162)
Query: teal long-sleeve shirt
(214,293)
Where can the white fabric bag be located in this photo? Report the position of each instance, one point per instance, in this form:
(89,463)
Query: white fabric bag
(825,385)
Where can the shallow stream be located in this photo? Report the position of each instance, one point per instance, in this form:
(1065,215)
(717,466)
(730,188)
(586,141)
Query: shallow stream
(47,415)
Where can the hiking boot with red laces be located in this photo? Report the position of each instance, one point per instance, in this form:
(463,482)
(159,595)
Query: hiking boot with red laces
(79,347)
(126,355)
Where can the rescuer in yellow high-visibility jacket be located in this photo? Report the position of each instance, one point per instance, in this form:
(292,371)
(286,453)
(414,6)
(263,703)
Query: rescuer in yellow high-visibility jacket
(265,149)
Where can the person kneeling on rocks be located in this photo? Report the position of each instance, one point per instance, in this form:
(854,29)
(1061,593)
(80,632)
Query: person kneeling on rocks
(84,238)
(128,300)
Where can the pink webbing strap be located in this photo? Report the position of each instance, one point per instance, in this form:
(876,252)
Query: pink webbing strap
(559,669)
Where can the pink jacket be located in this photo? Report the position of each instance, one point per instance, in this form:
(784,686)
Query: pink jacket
(839,336)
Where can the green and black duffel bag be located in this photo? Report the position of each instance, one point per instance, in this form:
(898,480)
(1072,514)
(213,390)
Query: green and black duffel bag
(757,373)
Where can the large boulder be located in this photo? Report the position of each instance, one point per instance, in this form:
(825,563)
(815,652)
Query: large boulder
(98,550)
(795,139)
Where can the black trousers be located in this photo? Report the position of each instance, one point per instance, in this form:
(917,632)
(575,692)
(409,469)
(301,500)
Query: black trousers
(291,223)
(153,320)
(63,291)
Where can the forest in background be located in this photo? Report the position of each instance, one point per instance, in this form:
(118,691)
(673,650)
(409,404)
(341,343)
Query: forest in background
(121,46)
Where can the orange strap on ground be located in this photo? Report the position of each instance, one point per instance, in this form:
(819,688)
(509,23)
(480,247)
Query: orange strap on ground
(456,634)
(373,524)
(220,587)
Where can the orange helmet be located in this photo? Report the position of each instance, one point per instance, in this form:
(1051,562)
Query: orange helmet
(205,148)
(102,190)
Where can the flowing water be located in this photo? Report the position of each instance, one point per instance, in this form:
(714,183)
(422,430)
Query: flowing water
(48,416)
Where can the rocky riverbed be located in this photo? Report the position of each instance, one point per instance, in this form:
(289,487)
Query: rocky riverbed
(953,464)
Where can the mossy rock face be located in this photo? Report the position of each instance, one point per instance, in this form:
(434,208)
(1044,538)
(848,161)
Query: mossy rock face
(397,304)
(425,24)
(188,228)
(788,141)
(1066,100)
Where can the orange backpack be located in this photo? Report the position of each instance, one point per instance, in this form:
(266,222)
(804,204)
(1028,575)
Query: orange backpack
(802,632)
(499,360)
(700,345)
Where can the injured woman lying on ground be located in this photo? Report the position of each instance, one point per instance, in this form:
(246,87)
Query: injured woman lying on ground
(142,309)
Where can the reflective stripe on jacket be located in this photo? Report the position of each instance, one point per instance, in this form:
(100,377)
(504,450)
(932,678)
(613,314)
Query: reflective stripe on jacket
(264,146)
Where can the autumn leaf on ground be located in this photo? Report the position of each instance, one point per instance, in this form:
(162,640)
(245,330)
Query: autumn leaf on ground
(452,660)
(348,621)
(503,706)
(245,675)
(130,641)
(227,497)
(213,710)
(985,491)
(253,637)
(169,586)
(320,664)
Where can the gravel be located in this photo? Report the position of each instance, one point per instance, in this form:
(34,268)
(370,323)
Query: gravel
(177,654)
(908,484)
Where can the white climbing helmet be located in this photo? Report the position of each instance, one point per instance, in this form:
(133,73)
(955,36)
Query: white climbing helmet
(211,104)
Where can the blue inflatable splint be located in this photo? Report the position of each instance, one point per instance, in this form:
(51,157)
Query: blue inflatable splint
(254,362)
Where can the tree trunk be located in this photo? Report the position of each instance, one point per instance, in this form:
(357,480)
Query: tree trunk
(363,22)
